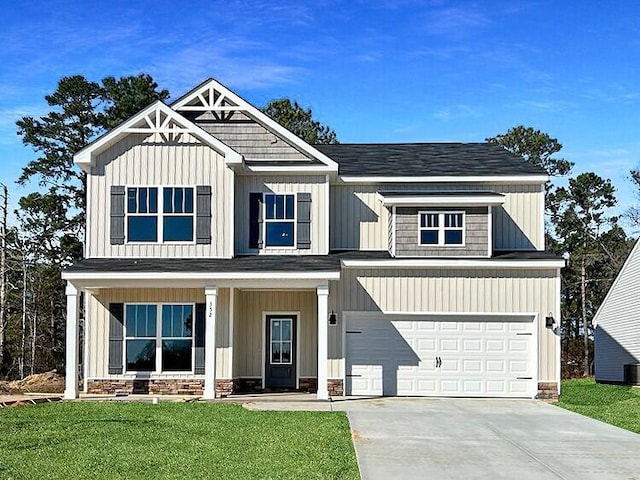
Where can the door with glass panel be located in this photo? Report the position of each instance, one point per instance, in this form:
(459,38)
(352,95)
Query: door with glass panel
(280,361)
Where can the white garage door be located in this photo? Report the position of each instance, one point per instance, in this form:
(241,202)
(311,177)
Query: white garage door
(409,356)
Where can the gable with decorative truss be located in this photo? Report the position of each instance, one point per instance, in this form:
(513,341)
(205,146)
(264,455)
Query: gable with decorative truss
(155,119)
(263,142)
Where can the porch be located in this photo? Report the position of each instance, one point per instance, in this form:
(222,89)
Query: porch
(222,333)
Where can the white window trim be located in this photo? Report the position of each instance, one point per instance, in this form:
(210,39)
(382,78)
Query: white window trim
(158,338)
(291,322)
(272,220)
(441,228)
(160,215)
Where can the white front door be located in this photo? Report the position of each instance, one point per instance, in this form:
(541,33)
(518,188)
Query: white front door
(456,356)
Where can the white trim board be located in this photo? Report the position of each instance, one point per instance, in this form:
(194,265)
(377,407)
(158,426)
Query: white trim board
(441,200)
(452,263)
(534,179)
(201,275)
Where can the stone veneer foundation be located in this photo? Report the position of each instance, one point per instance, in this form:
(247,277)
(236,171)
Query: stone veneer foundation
(547,390)
(157,387)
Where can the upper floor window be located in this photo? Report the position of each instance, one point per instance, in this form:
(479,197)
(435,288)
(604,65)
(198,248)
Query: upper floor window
(177,221)
(441,228)
(142,214)
(145,223)
(279,220)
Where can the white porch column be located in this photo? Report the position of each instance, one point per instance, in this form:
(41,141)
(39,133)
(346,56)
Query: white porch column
(71,347)
(323,319)
(211,295)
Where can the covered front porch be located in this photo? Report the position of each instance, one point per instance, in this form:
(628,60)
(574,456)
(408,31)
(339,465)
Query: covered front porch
(202,333)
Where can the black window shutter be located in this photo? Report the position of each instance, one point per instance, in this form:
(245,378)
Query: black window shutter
(255,220)
(303,205)
(203,214)
(198,367)
(116,337)
(117,215)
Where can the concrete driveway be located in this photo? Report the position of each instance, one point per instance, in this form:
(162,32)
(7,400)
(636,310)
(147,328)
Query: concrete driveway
(442,439)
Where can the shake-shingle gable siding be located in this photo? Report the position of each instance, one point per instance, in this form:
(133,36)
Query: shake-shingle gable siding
(247,137)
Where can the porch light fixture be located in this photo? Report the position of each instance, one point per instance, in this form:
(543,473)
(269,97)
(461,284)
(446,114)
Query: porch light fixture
(333,318)
(549,320)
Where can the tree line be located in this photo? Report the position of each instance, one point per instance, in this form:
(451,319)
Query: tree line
(48,230)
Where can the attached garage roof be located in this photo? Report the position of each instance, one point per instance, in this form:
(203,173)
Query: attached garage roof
(427,159)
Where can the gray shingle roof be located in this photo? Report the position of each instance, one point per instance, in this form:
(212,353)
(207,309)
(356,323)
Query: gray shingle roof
(427,159)
(261,263)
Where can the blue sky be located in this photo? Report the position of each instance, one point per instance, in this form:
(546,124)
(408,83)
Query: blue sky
(375,71)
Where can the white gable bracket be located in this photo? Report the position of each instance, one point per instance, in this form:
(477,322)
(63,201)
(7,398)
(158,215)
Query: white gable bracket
(212,96)
(156,118)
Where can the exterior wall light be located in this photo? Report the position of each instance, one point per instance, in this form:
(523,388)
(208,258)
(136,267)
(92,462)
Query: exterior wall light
(333,318)
(549,321)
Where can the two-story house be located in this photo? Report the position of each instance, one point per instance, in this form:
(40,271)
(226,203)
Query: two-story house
(224,254)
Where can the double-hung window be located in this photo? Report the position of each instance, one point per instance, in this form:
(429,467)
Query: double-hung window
(142,214)
(159,338)
(177,220)
(441,228)
(279,220)
(140,340)
(173,223)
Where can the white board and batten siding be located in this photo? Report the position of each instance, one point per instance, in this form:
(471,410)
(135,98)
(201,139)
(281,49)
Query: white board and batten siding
(617,323)
(149,160)
(360,221)
(98,326)
(250,309)
(316,185)
(454,291)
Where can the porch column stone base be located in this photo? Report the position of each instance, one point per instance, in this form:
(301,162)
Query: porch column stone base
(224,388)
(335,387)
(547,390)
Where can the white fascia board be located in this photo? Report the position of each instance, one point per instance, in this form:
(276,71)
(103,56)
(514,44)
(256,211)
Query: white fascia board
(533,179)
(85,157)
(452,263)
(289,170)
(83,276)
(416,200)
(258,116)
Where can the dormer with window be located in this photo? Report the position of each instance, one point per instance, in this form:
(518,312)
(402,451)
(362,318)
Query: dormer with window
(440,223)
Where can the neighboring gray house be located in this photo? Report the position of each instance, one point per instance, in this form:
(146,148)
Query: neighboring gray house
(225,254)
(617,324)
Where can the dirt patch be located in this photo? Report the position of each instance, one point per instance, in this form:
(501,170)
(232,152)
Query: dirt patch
(48,382)
(357,436)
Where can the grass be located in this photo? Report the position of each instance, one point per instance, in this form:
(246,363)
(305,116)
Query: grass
(172,440)
(614,404)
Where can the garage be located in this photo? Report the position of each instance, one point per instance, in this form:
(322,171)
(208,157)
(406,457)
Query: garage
(441,355)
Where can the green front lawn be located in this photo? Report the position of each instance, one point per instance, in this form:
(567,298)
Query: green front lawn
(172,440)
(614,404)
